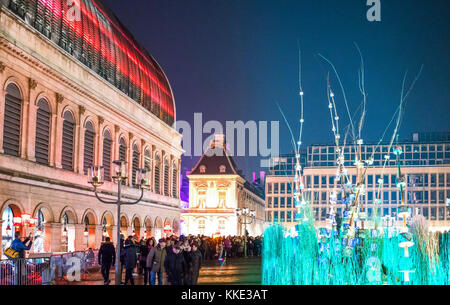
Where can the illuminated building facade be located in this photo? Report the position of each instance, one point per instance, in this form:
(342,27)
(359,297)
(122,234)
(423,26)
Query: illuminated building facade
(425,163)
(216,190)
(75,91)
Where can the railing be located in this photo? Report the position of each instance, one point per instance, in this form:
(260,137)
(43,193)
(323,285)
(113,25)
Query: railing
(43,269)
(25,271)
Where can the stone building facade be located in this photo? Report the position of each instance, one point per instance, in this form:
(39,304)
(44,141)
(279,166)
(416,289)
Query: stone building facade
(216,190)
(59,115)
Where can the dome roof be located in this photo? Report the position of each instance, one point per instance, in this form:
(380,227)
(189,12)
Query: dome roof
(95,36)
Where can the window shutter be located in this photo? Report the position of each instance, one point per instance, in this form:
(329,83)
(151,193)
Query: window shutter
(157,175)
(67,141)
(89,137)
(107,143)
(135,165)
(174,182)
(13,111)
(166,178)
(42,133)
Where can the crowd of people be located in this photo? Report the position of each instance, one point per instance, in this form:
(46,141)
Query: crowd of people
(179,258)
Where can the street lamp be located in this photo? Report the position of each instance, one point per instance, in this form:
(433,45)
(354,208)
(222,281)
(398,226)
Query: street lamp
(245,217)
(96,178)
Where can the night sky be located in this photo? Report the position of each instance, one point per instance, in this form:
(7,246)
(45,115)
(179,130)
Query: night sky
(234,60)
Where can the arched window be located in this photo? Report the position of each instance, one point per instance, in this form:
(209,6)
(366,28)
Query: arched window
(147,160)
(174,180)
(135,164)
(122,150)
(166,177)
(107,143)
(42,132)
(68,141)
(12,115)
(157,174)
(89,138)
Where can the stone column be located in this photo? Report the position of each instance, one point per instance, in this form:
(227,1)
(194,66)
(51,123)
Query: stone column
(53,236)
(98,236)
(31,121)
(79,139)
(80,239)
(2,104)
(57,132)
(24,129)
(99,140)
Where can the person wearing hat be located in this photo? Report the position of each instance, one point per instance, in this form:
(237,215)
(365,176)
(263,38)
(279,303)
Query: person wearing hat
(155,262)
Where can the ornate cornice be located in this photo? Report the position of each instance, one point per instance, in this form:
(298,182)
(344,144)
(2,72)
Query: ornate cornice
(2,67)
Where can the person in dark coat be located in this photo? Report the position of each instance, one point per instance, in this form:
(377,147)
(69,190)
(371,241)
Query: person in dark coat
(186,250)
(175,265)
(106,258)
(130,259)
(195,258)
(155,262)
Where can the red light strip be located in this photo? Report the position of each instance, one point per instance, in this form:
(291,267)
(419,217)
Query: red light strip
(94,41)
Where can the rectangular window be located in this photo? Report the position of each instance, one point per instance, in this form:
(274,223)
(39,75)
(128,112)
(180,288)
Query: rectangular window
(425,212)
(324,197)
(324,181)
(433,180)
(269,188)
(441,197)
(385,211)
(282,216)
(289,216)
(370,181)
(316,181)
(282,200)
(282,188)
(433,213)
(275,216)
(331,181)
(289,202)
(425,197)
(275,188)
(370,197)
(417,197)
(441,213)
(385,197)
(269,202)
(394,197)
(433,197)
(289,188)
(323,213)
(441,180)
(275,202)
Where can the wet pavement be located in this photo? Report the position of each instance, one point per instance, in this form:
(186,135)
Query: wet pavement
(234,271)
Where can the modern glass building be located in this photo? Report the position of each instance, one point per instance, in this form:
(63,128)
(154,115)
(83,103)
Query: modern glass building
(425,163)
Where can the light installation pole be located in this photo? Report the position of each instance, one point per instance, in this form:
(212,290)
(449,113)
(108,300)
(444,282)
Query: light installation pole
(96,178)
(245,217)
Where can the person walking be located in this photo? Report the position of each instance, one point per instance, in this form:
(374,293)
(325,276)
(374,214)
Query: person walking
(155,262)
(195,262)
(175,265)
(130,259)
(106,258)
